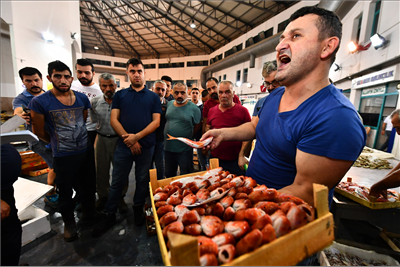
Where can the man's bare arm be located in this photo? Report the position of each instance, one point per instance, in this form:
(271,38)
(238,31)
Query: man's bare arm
(315,169)
(38,123)
(114,121)
(130,139)
(204,125)
(18,111)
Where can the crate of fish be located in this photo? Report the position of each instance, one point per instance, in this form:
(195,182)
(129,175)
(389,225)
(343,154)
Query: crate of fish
(360,194)
(217,218)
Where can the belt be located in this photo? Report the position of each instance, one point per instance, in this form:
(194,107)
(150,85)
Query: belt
(108,135)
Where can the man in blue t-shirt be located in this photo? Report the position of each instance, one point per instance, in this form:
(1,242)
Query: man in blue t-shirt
(135,116)
(64,113)
(307,132)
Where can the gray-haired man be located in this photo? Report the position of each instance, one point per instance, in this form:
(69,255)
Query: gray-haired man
(106,140)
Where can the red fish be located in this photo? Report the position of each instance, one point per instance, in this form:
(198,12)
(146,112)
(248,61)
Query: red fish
(191,143)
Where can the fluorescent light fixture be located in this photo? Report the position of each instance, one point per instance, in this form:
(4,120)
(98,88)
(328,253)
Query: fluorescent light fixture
(352,47)
(192,25)
(378,41)
(48,37)
(238,83)
(248,85)
(96,47)
(58,42)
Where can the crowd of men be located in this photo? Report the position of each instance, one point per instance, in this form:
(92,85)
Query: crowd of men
(298,126)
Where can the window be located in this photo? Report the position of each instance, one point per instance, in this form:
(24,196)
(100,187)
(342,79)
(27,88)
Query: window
(100,62)
(219,78)
(224,77)
(346,93)
(202,63)
(370,109)
(149,84)
(282,25)
(269,32)
(245,71)
(358,30)
(376,17)
(191,83)
(149,66)
(171,65)
(120,64)
(238,76)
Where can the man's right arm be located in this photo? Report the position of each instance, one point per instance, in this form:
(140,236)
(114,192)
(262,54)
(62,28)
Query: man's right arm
(246,147)
(204,125)
(383,128)
(38,123)
(114,121)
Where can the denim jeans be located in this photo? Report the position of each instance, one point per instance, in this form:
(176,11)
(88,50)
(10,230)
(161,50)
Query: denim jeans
(172,160)
(158,159)
(123,161)
(41,149)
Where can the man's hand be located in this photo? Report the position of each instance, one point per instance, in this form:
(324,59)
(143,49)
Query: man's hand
(383,132)
(130,139)
(5,210)
(375,191)
(26,116)
(136,149)
(217,138)
(242,161)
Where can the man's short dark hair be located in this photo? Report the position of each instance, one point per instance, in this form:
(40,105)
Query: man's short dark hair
(84,62)
(196,89)
(212,79)
(204,93)
(134,62)
(57,66)
(29,71)
(328,23)
(166,78)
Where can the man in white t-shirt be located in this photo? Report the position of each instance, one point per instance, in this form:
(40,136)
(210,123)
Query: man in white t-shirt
(85,84)
(387,127)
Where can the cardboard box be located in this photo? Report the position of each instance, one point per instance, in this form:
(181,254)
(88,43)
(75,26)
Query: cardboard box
(286,250)
(37,225)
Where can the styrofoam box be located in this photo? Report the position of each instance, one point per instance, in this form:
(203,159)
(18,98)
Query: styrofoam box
(363,254)
(38,224)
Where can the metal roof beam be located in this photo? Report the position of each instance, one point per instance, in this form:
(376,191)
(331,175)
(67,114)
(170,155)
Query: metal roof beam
(96,33)
(103,5)
(104,21)
(166,37)
(193,39)
(254,5)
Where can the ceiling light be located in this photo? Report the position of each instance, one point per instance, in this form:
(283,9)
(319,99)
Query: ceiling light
(238,83)
(248,85)
(192,25)
(378,41)
(96,47)
(352,47)
(48,37)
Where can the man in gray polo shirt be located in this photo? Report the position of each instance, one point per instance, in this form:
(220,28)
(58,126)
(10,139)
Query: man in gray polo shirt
(106,140)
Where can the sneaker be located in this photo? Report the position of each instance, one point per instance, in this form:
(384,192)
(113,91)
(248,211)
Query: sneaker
(101,203)
(51,200)
(139,215)
(70,231)
(122,207)
(106,223)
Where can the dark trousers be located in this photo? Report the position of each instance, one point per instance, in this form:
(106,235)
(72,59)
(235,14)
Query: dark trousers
(76,172)
(172,160)
(158,159)
(11,232)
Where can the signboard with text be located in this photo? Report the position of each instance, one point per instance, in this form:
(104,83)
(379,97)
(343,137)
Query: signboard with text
(378,77)
(373,91)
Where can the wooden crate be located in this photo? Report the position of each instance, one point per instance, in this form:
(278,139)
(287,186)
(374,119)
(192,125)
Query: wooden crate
(286,250)
(368,204)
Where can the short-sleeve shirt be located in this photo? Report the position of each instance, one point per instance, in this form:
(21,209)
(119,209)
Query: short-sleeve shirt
(326,124)
(180,122)
(66,125)
(91,92)
(100,114)
(136,112)
(209,104)
(389,125)
(233,117)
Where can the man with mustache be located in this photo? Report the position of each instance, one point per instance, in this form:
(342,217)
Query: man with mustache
(227,114)
(64,112)
(106,140)
(32,80)
(300,136)
(160,88)
(181,118)
(85,84)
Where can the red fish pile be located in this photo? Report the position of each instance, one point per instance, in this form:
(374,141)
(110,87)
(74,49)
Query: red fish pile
(363,192)
(243,219)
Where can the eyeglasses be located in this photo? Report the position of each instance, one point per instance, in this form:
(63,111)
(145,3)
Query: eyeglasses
(273,83)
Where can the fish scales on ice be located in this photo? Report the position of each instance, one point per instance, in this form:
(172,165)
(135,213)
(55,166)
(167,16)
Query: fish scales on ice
(191,143)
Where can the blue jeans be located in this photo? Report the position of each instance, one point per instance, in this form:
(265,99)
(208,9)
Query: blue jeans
(123,161)
(41,149)
(172,160)
(158,159)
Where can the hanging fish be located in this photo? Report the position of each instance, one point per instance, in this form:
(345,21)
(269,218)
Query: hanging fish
(191,143)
